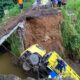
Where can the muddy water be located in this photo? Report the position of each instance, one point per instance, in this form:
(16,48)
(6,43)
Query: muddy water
(6,66)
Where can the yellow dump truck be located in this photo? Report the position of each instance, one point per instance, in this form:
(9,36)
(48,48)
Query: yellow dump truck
(31,57)
(53,63)
(35,58)
(35,49)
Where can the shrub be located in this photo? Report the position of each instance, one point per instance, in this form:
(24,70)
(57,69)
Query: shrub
(71,29)
(15,44)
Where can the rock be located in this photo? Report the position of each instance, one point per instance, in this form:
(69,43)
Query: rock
(29,78)
(9,77)
(1,77)
(46,38)
(68,78)
(13,77)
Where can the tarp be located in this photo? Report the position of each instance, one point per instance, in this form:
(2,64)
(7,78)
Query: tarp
(44,2)
(53,74)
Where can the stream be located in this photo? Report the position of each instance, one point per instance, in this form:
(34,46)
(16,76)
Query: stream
(7,67)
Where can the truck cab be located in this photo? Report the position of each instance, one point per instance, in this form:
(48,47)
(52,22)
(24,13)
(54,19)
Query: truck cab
(52,63)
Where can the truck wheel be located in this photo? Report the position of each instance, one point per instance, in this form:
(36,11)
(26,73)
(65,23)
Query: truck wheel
(26,67)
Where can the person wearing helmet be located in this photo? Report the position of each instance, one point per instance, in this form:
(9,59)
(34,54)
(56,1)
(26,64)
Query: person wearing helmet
(20,2)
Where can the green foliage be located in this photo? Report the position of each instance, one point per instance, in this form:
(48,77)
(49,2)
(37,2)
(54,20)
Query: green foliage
(5,5)
(27,4)
(1,11)
(71,28)
(15,44)
(13,8)
(15,1)
(72,4)
(14,11)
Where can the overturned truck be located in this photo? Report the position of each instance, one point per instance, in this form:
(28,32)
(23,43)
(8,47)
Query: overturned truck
(46,65)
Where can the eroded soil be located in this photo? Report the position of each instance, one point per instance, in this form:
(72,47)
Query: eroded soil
(44,31)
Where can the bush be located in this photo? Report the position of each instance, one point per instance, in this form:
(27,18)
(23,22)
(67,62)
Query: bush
(14,11)
(15,44)
(71,29)
(1,11)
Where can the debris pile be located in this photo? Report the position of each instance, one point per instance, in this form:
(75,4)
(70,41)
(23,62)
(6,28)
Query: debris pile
(44,30)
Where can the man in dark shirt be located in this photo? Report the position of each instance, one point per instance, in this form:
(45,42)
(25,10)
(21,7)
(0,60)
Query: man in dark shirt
(61,65)
(59,3)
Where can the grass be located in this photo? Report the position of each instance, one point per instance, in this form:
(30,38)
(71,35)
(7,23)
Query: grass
(71,28)
(16,11)
(15,44)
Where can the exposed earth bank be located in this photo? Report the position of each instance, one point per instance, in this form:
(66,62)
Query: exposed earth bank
(44,31)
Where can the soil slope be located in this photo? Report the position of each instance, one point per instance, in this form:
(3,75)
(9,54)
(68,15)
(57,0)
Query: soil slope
(45,31)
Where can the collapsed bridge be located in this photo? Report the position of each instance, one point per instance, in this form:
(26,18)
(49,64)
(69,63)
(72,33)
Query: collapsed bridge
(19,22)
(41,26)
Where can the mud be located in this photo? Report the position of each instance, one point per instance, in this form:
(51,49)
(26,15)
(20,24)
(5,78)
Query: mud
(7,67)
(44,31)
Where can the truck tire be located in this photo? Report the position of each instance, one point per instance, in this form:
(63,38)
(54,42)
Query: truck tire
(26,67)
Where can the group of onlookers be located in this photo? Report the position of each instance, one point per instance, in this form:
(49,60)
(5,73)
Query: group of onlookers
(55,3)
(58,2)
(38,2)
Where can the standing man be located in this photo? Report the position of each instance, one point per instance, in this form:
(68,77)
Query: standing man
(61,65)
(38,1)
(54,2)
(20,2)
(36,4)
(59,3)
